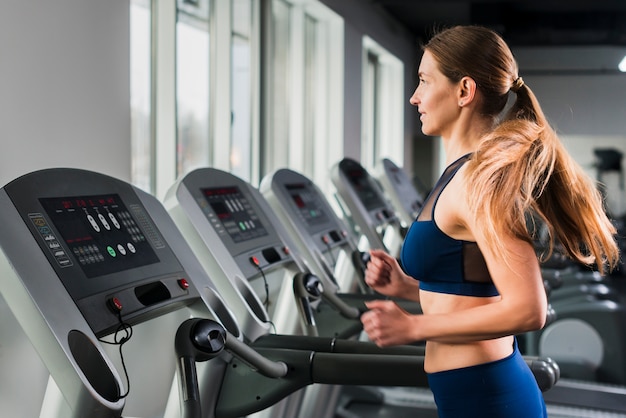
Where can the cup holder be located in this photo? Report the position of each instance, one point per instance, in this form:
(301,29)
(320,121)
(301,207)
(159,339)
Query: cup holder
(93,366)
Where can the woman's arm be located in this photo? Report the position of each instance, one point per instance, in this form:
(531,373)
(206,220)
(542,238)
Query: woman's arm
(521,307)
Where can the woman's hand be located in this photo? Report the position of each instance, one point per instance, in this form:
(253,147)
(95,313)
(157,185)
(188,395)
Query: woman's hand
(387,324)
(384,275)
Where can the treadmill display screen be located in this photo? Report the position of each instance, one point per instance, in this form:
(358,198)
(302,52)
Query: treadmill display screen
(230,213)
(99,231)
(306,204)
(364,189)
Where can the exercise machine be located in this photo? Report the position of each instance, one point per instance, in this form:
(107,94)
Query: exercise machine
(366,207)
(323,239)
(256,265)
(110,297)
(400,190)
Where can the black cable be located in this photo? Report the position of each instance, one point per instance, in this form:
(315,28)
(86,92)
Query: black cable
(267,290)
(120,339)
(266,302)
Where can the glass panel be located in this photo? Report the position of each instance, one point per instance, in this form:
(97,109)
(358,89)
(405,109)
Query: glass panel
(311,86)
(192,85)
(370,111)
(241,90)
(277,145)
(140,95)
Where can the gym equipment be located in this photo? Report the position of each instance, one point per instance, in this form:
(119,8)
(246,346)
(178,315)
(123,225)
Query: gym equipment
(83,262)
(87,258)
(197,217)
(238,237)
(323,239)
(364,204)
(400,190)
(321,236)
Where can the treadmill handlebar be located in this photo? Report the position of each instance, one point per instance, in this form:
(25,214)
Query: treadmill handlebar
(265,366)
(308,287)
(196,340)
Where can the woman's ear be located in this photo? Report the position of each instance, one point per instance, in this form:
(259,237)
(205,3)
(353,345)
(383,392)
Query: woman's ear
(467,91)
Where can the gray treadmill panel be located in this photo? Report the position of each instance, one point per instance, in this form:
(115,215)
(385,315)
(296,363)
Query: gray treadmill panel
(234,213)
(363,185)
(231,213)
(307,205)
(401,190)
(105,248)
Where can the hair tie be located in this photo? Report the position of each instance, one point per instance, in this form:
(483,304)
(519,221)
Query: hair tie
(517,84)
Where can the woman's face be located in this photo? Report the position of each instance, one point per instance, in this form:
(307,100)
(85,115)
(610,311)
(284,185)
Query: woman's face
(435,98)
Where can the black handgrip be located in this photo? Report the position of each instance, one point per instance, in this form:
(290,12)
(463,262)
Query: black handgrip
(196,340)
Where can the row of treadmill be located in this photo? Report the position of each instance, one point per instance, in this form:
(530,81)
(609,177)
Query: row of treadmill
(228,300)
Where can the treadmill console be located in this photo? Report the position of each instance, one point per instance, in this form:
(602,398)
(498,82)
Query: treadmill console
(233,212)
(401,191)
(99,231)
(98,237)
(305,201)
(307,204)
(366,190)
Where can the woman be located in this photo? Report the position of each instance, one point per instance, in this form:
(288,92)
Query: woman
(468,257)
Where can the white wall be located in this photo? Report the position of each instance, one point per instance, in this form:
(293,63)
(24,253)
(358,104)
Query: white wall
(364,18)
(64,102)
(64,86)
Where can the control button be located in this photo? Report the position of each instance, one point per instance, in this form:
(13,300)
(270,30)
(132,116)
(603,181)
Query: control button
(115,304)
(183,283)
(114,220)
(111,251)
(131,247)
(255,261)
(325,239)
(121,249)
(93,223)
(286,250)
(104,222)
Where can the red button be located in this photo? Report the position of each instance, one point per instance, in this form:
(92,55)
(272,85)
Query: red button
(115,304)
(183,283)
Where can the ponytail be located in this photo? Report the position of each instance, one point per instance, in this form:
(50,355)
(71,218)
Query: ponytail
(521,168)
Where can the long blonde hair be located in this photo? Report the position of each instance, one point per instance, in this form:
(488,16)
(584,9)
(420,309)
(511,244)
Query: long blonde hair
(521,167)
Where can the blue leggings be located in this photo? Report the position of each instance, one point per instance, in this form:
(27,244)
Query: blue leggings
(501,389)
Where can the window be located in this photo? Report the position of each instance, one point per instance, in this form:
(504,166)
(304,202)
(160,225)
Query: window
(304,103)
(192,85)
(142,157)
(243,84)
(383,111)
(195,89)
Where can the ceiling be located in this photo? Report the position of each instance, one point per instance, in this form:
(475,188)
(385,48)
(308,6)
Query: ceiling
(521,22)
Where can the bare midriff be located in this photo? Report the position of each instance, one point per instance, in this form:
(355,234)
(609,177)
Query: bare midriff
(441,356)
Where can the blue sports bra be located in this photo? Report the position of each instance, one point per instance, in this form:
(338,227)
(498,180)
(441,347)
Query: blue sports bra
(441,263)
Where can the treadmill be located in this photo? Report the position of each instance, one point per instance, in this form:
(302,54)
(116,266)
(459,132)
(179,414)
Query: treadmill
(400,190)
(365,205)
(112,299)
(255,263)
(229,223)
